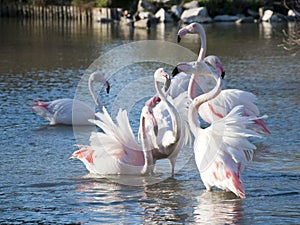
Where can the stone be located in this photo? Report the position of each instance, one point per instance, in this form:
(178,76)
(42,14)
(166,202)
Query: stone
(226,18)
(267,15)
(176,10)
(145,6)
(189,13)
(191,5)
(163,16)
(253,13)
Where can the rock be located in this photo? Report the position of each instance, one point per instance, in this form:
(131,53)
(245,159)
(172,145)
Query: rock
(145,6)
(199,15)
(176,11)
(291,16)
(163,16)
(253,13)
(291,13)
(277,17)
(267,15)
(226,18)
(200,11)
(191,5)
(248,19)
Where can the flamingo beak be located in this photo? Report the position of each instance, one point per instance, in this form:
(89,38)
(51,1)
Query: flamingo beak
(182,32)
(223,74)
(221,70)
(178,38)
(182,67)
(107,86)
(175,71)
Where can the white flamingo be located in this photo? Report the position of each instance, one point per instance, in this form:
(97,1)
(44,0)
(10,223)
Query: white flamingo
(173,132)
(229,98)
(60,111)
(115,150)
(181,82)
(221,150)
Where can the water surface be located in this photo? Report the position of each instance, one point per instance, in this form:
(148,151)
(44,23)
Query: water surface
(40,185)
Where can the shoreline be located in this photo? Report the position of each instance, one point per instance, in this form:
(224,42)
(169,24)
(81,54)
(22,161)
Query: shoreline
(144,17)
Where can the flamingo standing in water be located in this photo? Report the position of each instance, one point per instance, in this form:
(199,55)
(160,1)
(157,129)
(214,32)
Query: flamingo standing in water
(173,132)
(222,150)
(115,151)
(229,98)
(60,111)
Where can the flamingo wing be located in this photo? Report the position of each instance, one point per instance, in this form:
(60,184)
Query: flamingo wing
(116,150)
(220,106)
(223,149)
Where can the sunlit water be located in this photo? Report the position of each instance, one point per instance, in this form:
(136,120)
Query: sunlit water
(40,185)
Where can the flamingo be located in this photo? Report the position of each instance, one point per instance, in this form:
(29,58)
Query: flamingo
(229,98)
(173,133)
(180,82)
(115,150)
(60,111)
(222,150)
(220,106)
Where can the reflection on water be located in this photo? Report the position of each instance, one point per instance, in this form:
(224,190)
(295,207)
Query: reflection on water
(40,185)
(218,208)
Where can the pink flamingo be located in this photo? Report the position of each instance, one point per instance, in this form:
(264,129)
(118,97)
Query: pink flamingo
(229,98)
(222,150)
(60,111)
(173,131)
(115,150)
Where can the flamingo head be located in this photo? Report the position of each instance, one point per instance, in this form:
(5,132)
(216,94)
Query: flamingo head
(196,67)
(189,29)
(162,76)
(183,67)
(147,114)
(153,101)
(216,63)
(98,76)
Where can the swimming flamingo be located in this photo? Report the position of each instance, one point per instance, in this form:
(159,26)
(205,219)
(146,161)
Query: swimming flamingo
(221,150)
(229,98)
(115,150)
(60,111)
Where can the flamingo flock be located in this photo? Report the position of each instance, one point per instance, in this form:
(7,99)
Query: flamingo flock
(170,120)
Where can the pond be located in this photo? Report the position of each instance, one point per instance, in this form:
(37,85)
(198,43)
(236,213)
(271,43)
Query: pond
(47,61)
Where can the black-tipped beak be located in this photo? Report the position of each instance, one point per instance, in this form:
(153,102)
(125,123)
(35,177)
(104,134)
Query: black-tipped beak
(178,38)
(175,71)
(223,74)
(107,86)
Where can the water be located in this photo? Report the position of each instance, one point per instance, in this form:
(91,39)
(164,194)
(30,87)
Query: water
(40,185)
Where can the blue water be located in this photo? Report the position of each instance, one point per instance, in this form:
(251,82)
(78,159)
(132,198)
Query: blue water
(39,184)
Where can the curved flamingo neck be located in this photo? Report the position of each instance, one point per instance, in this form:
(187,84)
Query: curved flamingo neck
(92,92)
(200,30)
(196,103)
(193,81)
(170,109)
